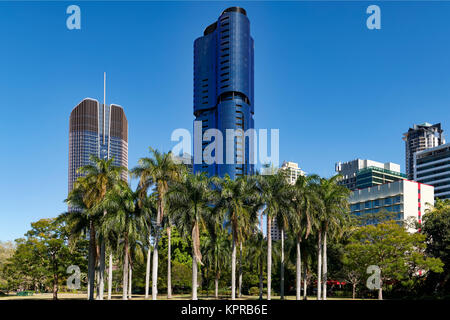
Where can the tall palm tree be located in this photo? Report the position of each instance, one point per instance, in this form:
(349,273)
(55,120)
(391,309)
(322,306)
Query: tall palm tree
(334,201)
(127,220)
(257,254)
(147,203)
(82,219)
(274,190)
(217,250)
(159,171)
(283,216)
(190,202)
(100,176)
(304,200)
(236,200)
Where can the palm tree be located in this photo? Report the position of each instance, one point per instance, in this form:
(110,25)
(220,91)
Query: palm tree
(100,176)
(127,220)
(237,200)
(82,219)
(257,253)
(147,203)
(274,190)
(304,200)
(190,202)
(159,170)
(334,201)
(217,250)
(283,216)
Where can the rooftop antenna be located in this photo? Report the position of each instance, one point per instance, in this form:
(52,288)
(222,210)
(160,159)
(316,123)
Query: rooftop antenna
(104,104)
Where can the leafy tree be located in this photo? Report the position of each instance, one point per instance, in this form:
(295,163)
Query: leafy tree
(42,258)
(399,254)
(436,228)
(6,251)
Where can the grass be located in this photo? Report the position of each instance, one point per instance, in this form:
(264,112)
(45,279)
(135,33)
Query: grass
(82,296)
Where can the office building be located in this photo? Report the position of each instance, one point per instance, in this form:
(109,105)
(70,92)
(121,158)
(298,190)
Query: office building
(403,197)
(360,174)
(421,137)
(224,91)
(100,130)
(432,166)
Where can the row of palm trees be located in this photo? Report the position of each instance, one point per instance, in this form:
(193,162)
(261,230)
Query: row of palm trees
(121,220)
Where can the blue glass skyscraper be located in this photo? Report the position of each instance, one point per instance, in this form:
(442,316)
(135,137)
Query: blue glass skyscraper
(224,90)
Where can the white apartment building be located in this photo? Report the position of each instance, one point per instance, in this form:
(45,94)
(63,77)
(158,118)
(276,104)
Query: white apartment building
(404,197)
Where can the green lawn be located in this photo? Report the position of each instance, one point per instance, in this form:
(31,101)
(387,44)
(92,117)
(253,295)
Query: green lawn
(82,296)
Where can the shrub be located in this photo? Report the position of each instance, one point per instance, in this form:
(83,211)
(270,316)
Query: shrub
(253,291)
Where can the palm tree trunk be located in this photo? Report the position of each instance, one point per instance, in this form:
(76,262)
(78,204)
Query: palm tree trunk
(216,286)
(298,271)
(130,282)
(155,256)
(194,276)
(282,266)
(125,269)
(147,272)
(110,274)
(305,283)
(380,292)
(319,266)
(233,269)
(324,269)
(240,270)
(261,281)
(101,272)
(169,264)
(269,257)
(91,262)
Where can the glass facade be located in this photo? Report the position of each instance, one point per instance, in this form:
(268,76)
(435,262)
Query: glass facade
(96,129)
(223,91)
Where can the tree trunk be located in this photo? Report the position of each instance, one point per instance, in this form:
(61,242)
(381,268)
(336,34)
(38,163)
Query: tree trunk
(380,292)
(354,291)
(155,256)
(298,266)
(169,263)
(55,286)
(130,282)
(319,266)
(147,272)
(233,269)
(110,275)
(282,266)
(261,281)
(269,258)
(194,276)
(101,272)
(91,262)
(216,286)
(325,268)
(125,270)
(240,270)
(305,283)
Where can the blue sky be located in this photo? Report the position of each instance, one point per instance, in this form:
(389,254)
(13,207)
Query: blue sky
(335,89)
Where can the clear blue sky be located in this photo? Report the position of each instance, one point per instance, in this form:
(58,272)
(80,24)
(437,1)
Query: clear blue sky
(335,89)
